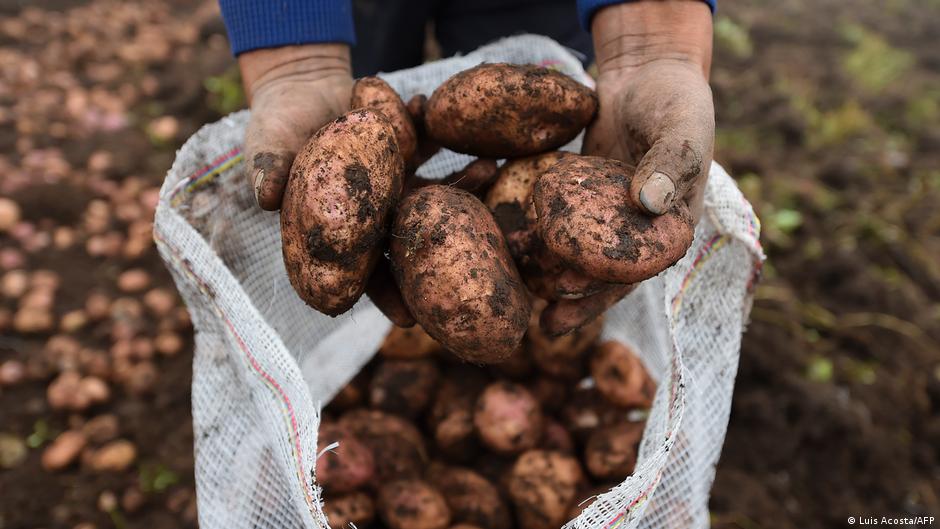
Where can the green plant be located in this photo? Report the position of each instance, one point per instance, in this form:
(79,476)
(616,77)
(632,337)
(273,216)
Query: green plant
(732,37)
(873,62)
(156,477)
(225,93)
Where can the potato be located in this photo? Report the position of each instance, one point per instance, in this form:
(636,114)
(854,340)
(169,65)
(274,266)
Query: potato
(450,419)
(343,187)
(408,344)
(471,498)
(352,395)
(403,387)
(376,94)
(476,177)
(610,452)
(566,315)
(346,467)
(412,504)
(507,417)
(542,487)
(552,393)
(397,447)
(384,293)
(621,377)
(588,410)
(507,110)
(586,218)
(510,200)
(355,508)
(519,365)
(556,438)
(455,273)
(560,356)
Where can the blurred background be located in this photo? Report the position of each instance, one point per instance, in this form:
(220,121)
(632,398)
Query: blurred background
(828,117)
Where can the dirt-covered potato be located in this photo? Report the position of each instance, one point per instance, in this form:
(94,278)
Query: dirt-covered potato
(556,438)
(610,452)
(403,387)
(471,498)
(344,511)
(384,293)
(476,177)
(542,487)
(412,504)
(374,93)
(397,446)
(621,377)
(587,220)
(510,200)
(455,273)
(507,417)
(587,410)
(560,356)
(343,187)
(450,419)
(563,316)
(507,110)
(408,344)
(552,393)
(346,467)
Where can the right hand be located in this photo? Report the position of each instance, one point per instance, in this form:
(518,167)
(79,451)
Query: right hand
(292,91)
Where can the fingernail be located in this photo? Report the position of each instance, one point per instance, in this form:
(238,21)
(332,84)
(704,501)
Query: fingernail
(259,179)
(656,194)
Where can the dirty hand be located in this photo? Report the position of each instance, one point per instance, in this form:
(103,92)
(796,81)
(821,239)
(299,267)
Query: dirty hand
(293,91)
(655,113)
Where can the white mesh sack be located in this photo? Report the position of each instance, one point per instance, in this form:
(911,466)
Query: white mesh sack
(265,361)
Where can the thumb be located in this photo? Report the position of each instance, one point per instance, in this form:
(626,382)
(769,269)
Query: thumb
(668,170)
(268,156)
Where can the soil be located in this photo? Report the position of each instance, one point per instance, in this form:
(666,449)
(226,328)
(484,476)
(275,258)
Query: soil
(827,115)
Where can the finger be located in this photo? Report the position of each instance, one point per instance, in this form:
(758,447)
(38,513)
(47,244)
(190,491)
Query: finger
(564,316)
(269,154)
(679,154)
(383,291)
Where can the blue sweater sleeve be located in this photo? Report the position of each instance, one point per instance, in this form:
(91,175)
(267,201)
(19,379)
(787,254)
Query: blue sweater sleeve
(254,24)
(587,8)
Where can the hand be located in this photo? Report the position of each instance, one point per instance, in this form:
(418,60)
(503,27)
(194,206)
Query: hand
(655,113)
(293,91)
(656,110)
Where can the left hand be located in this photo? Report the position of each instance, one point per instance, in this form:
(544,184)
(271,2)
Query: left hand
(655,113)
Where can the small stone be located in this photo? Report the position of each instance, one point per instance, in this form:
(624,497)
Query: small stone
(140,378)
(107,501)
(65,392)
(41,298)
(116,456)
(97,306)
(102,428)
(94,389)
(12,372)
(134,280)
(64,450)
(45,279)
(73,321)
(168,343)
(31,320)
(132,500)
(12,451)
(9,214)
(164,128)
(14,284)
(11,258)
(160,301)
(63,237)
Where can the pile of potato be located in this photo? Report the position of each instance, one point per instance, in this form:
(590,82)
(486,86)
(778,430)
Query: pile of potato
(464,256)
(422,440)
